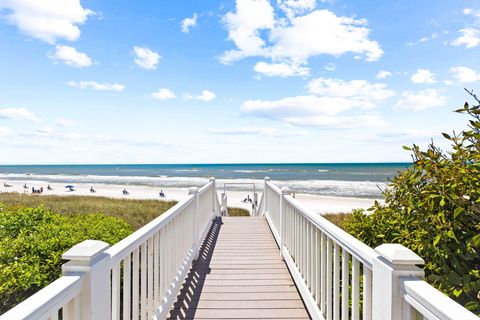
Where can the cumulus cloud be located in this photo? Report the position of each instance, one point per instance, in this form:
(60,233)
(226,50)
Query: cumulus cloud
(96,86)
(257,31)
(47,20)
(206,95)
(64,122)
(71,57)
(188,23)
(423,76)
(18,114)
(163,94)
(323,107)
(469,36)
(383,74)
(425,99)
(280,69)
(146,58)
(464,74)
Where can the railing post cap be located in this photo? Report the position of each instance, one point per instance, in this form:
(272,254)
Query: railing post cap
(212,179)
(267,178)
(86,250)
(397,254)
(285,190)
(192,190)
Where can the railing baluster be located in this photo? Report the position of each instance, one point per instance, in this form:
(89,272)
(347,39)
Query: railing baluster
(329,279)
(336,282)
(150,278)
(126,286)
(345,284)
(355,289)
(323,274)
(116,292)
(135,283)
(143,281)
(307,251)
(318,261)
(367,294)
(156,271)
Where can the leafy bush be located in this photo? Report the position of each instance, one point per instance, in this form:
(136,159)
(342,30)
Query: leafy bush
(32,241)
(433,208)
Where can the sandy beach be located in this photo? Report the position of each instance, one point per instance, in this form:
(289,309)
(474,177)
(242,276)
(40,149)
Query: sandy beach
(319,204)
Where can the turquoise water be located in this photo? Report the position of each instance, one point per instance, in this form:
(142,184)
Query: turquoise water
(339,179)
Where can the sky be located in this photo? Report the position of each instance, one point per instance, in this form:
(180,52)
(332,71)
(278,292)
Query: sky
(245,81)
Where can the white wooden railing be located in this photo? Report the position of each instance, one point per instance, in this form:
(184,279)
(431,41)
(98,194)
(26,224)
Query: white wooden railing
(137,278)
(339,277)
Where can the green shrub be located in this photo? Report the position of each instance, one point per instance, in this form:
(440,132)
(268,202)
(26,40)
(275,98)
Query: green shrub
(32,241)
(433,208)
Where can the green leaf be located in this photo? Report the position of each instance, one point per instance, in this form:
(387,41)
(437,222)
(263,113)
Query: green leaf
(407,148)
(458,211)
(447,136)
(476,240)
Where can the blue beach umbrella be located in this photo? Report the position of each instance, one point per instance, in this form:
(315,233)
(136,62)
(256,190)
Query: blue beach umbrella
(69,187)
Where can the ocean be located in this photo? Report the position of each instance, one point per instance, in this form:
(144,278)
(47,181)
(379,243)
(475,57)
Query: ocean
(331,179)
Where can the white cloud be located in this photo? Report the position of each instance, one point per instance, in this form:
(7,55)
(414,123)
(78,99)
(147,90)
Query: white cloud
(383,74)
(4,132)
(257,131)
(163,94)
(206,95)
(330,66)
(71,57)
(97,86)
(470,37)
(18,114)
(329,98)
(293,40)
(360,90)
(425,99)
(280,69)
(45,130)
(63,122)
(423,76)
(464,74)
(188,23)
(146,58)
(47,20)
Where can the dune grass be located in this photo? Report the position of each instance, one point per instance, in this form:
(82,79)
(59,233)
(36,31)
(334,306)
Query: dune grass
(337,219)
(238,212)
(135,212)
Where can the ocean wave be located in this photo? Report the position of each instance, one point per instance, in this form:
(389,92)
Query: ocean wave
(369,189)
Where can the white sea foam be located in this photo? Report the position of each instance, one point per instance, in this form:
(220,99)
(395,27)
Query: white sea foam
(319,187)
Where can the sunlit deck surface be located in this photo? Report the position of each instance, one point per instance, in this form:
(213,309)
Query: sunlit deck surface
(239,275)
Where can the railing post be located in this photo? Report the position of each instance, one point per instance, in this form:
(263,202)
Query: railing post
(285,190)
(89,257)
(194,191)
(393,261)
(214,193)
(265,192)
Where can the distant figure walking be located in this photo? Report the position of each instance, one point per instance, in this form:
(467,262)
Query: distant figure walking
(92,190)
(161,194)
(49,188)
(125,192)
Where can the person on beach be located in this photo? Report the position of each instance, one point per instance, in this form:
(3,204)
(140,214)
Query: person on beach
(125,192)
(49,188)
(92,190)
(161,194)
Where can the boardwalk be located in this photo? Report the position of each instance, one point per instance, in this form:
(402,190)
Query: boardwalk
(239,275)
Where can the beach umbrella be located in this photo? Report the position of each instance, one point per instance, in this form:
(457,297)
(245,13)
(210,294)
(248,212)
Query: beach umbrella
(69,187)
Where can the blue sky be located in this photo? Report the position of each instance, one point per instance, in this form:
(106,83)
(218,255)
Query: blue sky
(231,81)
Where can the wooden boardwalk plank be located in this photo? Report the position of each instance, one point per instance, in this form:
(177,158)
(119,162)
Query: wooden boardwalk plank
(239,275)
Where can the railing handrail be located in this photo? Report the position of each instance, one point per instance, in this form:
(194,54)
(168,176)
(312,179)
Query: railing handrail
(355,247)
(430,302)
(274,187)
(122,248)
(51,298)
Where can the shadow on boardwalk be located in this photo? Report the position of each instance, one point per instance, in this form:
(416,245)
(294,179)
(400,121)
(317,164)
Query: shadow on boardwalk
(189,295)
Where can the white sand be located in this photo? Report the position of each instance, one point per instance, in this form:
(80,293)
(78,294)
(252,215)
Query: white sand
(320,204)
